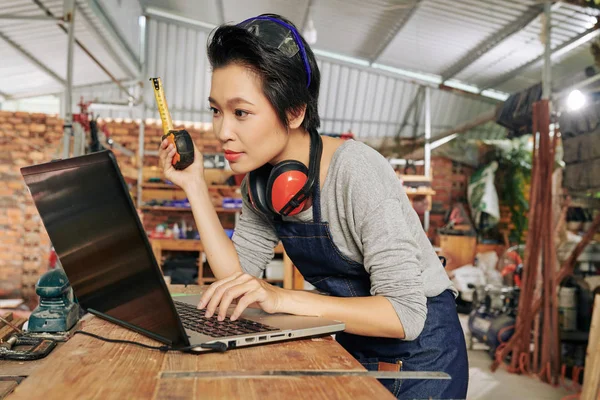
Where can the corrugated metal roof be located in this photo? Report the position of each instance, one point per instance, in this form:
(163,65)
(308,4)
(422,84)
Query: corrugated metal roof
(355,27)
(442,32)
(426,36)
(567,22)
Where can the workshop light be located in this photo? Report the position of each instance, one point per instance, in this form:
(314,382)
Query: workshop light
(576,100)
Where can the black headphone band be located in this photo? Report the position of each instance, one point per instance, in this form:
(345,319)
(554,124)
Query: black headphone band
(314,167)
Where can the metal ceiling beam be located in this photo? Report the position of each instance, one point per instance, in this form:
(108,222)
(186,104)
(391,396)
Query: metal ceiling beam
(391,35)
(562,49)
(32,59)
(17,17)
(54,92)
(415,150)
(493,40)
(220,10)
(179,20)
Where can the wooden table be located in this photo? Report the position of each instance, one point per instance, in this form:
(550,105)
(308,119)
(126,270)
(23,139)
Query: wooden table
(86,368)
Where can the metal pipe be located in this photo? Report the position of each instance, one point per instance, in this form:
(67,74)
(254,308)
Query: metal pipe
(68,124)
(144,33)
(547,71)
(427,147)
(427,131)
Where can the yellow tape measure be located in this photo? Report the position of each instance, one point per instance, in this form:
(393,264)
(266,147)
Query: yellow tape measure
(180,139)
(163,108)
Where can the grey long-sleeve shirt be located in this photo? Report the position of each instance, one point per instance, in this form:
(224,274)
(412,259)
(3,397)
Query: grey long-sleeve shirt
(372,222)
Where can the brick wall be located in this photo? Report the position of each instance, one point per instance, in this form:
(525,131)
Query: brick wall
(27,139)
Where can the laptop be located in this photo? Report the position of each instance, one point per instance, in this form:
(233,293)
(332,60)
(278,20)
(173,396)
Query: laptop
(92,222)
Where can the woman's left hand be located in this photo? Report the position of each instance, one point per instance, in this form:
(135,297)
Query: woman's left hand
(244,287)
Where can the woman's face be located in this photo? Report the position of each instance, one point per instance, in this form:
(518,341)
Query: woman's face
(244,120)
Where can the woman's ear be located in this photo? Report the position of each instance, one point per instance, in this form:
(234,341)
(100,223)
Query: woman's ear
(296,117)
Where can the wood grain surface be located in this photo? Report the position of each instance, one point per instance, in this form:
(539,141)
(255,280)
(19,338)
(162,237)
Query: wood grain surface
(88,368)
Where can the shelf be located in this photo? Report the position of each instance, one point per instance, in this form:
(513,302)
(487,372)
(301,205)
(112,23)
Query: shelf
(151,185)
(185,209)
(420,192)
(415,178)
(211,280)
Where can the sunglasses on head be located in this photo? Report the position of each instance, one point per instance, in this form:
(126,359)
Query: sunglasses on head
(279,35)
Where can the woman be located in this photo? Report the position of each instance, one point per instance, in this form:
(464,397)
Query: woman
(337,207)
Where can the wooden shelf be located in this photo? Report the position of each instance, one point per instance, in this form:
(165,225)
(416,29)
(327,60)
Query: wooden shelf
(420,192)
(152,185)
(415,178)
(211,280)
(185,209)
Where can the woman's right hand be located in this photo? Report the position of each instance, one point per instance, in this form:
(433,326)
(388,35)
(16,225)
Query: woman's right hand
(182,178)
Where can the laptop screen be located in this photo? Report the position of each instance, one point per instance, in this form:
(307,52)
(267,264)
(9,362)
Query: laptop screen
(96,232)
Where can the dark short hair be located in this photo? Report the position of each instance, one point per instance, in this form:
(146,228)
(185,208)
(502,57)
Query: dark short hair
(283,78)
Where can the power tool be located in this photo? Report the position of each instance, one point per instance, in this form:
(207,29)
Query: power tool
(57,311)
(181,139)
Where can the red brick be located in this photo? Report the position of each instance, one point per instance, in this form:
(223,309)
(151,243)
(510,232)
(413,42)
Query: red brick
(21,114)
(119,131)
(6,114)
(51,121)
(37,128)
(37,156)
(39,117)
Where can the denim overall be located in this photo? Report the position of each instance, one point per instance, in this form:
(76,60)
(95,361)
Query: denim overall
(441,345)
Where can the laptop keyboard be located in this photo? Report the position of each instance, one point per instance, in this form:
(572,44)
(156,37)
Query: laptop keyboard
(194,319)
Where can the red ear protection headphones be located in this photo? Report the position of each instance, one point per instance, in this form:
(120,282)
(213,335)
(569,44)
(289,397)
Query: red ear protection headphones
(283,189)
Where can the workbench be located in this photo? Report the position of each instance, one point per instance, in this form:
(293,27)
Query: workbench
(87,368)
